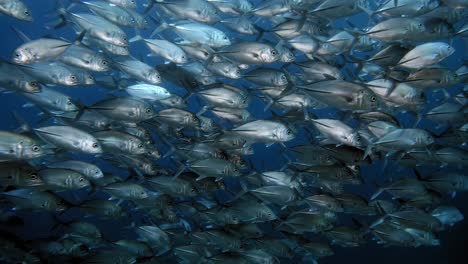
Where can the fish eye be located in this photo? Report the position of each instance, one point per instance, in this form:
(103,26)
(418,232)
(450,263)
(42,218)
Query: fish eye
(273,52)
(73,77)
(288,131)
(36,148)
(104,62)
(81,179)
(17,55)
(237,72)
(33,84)
(148,110)
(95,145)
(193,190)
(283,77)
(224,37)
(373,99)
(96,172)
(124,38)
(140,146)
(69,102)
(26,13)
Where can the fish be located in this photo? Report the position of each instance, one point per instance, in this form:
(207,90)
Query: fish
(250,53)
(37,50)
(53,73)
(164,48)
(95,26)
(17,9)
(88,170)
(148,92)
(425,55)
(139,70)
(243,131)
(197,33)
(124,109)
(69,138)
(16,146)
(85,58)
(62,179)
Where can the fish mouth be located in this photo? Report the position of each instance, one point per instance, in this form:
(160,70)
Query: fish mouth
(18,60)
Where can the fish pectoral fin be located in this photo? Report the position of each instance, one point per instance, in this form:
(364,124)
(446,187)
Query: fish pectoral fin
(408,60)
(314,90)
(46,132)
(326,141)
(318,122)
(386,142)
(376,31)
(244,130)
(100,108)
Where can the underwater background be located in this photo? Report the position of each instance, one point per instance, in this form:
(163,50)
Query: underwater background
(454,240)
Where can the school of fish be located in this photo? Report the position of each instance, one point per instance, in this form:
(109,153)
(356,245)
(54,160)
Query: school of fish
(233,131)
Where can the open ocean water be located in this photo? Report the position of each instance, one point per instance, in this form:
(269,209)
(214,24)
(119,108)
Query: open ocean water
(41,224)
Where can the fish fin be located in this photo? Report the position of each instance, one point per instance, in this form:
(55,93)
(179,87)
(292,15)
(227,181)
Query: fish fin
(44,132)
(23,125)
(21,34)
(318,122)
(313,90)
(180,171)
(368,151)
(162,26)
(137,37)
(270,102)
(377,193)
(149,7)
(408,60)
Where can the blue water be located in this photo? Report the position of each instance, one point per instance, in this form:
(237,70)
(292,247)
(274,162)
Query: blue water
(453,247)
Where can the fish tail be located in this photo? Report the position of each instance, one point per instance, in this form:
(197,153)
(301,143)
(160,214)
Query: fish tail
(135,39)
(368,151)
(23,125)
(244,190)
(419,117)
(377,193)
(261,32)
(364,6)
(270,102)
(180,171)
(149,7)
(162,26)
(168,153)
